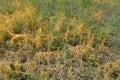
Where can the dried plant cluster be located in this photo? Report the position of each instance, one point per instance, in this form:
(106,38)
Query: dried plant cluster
(59,40)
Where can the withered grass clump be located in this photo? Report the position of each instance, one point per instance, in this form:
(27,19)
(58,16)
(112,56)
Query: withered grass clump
(52,45)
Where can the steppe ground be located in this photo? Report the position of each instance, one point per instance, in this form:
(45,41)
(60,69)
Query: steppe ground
(59,39)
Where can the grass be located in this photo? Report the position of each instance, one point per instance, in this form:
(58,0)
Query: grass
(59,40)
